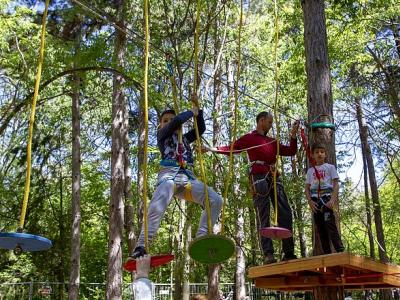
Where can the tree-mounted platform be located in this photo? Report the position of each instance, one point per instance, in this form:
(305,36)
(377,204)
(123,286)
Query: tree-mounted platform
(352,272)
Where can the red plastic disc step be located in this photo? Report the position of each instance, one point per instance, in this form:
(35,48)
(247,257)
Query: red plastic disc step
(276,233)
(156,261)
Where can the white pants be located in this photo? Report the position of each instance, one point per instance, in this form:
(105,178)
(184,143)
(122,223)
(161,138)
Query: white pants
(142,289)
(163,196)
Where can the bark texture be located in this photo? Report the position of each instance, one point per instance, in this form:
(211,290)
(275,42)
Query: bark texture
(116,207)
(74,279)
(366,150)
(319,100)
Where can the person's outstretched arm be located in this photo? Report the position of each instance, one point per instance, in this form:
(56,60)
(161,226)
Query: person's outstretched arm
(239,145)
(174,125)
(290,150)
(201,125)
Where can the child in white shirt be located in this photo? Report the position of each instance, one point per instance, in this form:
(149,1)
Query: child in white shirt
(322,189)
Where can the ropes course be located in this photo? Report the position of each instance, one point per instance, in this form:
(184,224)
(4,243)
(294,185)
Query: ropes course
(275,231)
(19,241)
(215,248)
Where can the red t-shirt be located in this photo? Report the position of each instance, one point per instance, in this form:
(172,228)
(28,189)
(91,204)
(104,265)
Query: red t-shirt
(266,153)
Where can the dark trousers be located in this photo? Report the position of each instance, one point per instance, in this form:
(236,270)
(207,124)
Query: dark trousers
(325,224)
(263,194)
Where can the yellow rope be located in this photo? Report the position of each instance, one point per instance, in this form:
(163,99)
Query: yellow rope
(276,111)
(234,133)
(146,120)
(196,104)
(32,119)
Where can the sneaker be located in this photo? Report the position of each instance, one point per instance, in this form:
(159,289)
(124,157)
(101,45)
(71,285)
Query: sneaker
(138,252)
(269,259)
(289,256)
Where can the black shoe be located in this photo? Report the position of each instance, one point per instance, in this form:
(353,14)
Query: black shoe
(289,256)
(269,259)
(138,252)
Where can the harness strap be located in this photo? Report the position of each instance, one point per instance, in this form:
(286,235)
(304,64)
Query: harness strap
(187,193)
(270,168)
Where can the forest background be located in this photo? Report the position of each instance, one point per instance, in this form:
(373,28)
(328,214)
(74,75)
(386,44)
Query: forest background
(88,64)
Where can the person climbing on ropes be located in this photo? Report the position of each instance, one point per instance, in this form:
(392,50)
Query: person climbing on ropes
(322,189)
(262,151)
(175,176)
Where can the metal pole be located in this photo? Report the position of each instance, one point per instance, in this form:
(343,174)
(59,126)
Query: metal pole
(30,290)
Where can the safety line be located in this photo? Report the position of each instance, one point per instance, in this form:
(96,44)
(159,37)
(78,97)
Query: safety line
(146,119)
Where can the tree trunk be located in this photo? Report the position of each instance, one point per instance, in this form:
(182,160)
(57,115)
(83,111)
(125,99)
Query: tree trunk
(116,222)
(61,266)
(129,209)
(213,281)
(391,80)
(368,206)
(74,279)
(186,239)
(366,150)
(396,35)
(298,209)
(140,173)
(181,243)
(319,98)
(372,181)
(240,281)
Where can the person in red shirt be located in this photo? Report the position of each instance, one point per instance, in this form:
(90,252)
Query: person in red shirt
(262,151)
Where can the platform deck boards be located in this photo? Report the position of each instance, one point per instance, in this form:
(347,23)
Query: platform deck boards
(353,272)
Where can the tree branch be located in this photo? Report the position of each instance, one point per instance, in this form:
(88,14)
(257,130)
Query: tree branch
(7,118)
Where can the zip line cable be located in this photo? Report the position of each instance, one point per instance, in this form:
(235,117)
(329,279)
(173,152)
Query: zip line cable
(137,37)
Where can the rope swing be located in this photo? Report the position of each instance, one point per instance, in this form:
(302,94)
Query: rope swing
(274,231)
(211,248)
(156,260)
(19,241)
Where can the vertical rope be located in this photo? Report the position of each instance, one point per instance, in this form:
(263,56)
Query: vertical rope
(276,111)
(196,104)
(234,133)
(146,119)
(32,119)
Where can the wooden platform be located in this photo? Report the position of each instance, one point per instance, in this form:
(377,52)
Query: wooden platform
(339,269)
